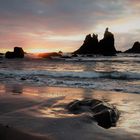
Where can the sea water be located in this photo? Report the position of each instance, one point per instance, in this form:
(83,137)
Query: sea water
(114,73)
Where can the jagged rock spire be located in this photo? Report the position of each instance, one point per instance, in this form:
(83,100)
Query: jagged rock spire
(91,44)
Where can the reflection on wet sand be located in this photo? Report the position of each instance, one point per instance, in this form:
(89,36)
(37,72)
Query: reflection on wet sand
(50,102)
(14,89)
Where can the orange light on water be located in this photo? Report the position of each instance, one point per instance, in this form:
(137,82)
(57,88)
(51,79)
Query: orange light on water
(38,50)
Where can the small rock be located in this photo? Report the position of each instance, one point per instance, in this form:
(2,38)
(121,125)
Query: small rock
(23,78)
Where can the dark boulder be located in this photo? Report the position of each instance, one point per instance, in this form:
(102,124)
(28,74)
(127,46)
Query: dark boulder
(106,115)
(106,118)
(74,106)
(134,49)
(18,53)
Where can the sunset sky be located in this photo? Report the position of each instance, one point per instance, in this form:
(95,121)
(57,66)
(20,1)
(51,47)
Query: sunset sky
(53,25)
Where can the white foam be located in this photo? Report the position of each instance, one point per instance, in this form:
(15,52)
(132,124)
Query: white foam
(70,74)
(117,81)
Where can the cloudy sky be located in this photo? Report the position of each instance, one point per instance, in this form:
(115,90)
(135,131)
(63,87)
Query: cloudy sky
(53,25)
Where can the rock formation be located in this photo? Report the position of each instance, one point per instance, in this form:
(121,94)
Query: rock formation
(106,115)
(134,49)
(91,45)
(9,55)
(18,53)
(107,44)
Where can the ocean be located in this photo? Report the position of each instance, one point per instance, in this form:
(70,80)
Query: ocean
(115,73)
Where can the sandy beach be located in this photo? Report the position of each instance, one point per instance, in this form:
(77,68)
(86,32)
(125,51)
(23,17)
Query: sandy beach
(42,111)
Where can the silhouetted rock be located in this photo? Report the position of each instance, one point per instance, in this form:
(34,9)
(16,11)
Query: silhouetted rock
(9,55)
(18,53)
(107,44)
(105,114)
(135,48)
(92,46)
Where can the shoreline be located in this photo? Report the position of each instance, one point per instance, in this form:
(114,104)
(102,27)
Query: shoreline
(41,110)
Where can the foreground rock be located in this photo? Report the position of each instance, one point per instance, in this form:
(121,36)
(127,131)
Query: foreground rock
(105,46)
(18,53)
(134,49)
(105,114)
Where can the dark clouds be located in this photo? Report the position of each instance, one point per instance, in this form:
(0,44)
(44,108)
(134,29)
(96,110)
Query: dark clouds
(59,14)
(34,21)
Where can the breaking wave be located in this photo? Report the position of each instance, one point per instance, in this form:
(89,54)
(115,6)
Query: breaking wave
(70,74)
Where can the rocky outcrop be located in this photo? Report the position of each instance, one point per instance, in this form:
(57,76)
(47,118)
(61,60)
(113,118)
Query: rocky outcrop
(90,45)
(18,53)
(134,49)
(106,115)
(105,46)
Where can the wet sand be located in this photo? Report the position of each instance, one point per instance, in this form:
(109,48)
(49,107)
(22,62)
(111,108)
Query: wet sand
(41,111)
(9,133)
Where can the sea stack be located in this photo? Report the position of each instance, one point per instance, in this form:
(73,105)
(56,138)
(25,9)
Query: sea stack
(105,46)
(18,53)
(134,49)
(90,45)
